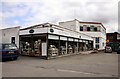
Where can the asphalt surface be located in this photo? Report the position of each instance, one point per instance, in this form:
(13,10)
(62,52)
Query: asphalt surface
(91,65)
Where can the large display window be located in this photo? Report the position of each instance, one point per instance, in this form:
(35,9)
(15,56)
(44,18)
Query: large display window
(32,45)
(53,47)
(63,47)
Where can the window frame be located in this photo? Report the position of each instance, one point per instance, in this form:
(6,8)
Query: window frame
(97,46)
(97,40)
(81,27)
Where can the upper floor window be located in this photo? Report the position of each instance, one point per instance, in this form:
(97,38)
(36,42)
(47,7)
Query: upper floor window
(97,40)
(88,28)
(91,28)
(95,28)
(97,46)
(81,28)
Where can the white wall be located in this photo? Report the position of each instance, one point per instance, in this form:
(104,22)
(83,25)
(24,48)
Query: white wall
(36,31)
(101,36)
(77,24)
(70,25)
(0,36)
(69,33)
(101,43)
(10,32)
(94,34)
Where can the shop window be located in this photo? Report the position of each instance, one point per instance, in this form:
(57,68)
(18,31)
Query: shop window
(97,46)
(63,47)
(88,28)
(53,48)
(81,28)
(97,40)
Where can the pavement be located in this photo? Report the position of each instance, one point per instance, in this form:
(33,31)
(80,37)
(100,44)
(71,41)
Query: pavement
(90,65)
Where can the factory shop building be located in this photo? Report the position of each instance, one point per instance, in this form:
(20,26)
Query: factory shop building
(50,40)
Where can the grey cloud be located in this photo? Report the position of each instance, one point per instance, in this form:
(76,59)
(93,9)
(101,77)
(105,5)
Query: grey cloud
(119,16)
(102,13)
(99,10)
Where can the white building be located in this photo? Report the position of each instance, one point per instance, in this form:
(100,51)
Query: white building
(94,29)
(10,35)
(50,40)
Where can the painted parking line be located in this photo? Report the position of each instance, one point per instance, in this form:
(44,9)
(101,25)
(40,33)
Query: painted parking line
(87,73)
(72,71)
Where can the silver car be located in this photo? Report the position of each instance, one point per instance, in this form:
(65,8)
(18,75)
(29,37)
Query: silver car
(108,49)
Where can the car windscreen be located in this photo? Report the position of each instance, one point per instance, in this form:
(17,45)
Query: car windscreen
(9,46)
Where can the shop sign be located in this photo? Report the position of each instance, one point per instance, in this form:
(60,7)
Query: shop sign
(51,30)
(31,31)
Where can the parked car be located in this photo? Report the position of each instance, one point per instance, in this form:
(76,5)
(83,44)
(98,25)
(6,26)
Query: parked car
(108,49)
(118,50)
(9,51)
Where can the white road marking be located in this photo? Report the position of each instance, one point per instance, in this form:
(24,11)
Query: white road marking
(87,73)
(72,71)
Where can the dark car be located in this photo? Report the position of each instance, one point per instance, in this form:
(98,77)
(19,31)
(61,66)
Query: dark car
(118,50)
(108,49)
(9,51)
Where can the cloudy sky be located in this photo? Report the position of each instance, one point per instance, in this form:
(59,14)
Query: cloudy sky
(30,12)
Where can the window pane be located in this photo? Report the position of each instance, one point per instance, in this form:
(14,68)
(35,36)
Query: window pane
(81,28)
(91,28)
(9,46)
(88,28)
(97,40)
(95,29)
(97,46)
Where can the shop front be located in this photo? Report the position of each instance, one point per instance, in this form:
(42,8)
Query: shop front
(33,45)
(47,41)
(61,46)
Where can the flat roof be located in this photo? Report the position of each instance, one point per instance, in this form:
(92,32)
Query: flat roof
(10,28)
